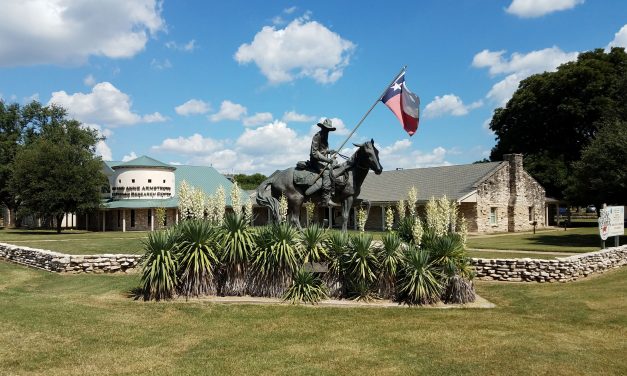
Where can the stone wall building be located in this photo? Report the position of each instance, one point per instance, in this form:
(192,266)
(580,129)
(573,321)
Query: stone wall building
(493,197)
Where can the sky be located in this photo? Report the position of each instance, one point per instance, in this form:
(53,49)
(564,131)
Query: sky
(240,85)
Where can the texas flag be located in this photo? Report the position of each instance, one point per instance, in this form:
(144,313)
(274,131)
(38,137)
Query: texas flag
(404,104)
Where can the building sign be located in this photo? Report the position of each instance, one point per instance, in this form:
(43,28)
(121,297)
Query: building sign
(141,192)
(612,221)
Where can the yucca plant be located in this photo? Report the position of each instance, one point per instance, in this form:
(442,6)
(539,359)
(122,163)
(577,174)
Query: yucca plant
(390,258)
(405,229)
(337,247)
(312,241)
(459,290)
(276,258)
(237,242)
(159,266)
(447,251)
(197,252)
(306,288)
(420,280)
(361,267)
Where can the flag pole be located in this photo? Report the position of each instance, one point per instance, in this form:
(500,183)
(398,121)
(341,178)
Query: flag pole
(361,121)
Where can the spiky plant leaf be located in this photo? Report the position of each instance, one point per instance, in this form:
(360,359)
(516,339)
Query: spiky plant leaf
(159,267)
(312,241)
(361,267)
(237,242)
(306,288)
(390,257)
(197,252)
(419,279)
(337,244)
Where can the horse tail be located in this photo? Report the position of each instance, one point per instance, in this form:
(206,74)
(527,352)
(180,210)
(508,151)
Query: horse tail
(264,197)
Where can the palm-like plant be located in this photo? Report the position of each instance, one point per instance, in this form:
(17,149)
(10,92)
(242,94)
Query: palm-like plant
(276,258)
(361,267)
(312,241)
(159,267)
(237,241)
(306,287)
(198,249)
(337,247)
(419,279)
(390,257)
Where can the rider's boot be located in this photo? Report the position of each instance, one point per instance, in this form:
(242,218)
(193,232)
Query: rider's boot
(327,201)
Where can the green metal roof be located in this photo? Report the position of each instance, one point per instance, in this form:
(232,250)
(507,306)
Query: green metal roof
(144,161)
(452,181)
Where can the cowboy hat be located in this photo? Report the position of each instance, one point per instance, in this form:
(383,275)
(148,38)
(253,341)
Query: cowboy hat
(327,124)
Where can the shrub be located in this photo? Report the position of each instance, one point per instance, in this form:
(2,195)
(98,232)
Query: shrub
(159,279)
(237,241)
(312,241)
(276,258)
(390,258)
(337,248)
(306,287)
(360,267)
(419,279)
(198,258)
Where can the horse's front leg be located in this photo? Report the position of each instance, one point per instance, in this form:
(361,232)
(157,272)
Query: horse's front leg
(347,204)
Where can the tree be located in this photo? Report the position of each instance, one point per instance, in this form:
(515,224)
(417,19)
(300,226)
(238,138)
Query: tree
(553,116)
(56,171)
(249,181)
(601,174)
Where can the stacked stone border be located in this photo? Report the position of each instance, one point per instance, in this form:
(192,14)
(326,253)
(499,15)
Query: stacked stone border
(63,263)
(514,270)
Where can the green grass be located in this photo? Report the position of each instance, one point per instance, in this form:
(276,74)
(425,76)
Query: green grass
(575,240)
(510,255)
(77,242)
(84,324)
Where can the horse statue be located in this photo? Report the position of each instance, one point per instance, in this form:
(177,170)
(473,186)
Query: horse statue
(299,185)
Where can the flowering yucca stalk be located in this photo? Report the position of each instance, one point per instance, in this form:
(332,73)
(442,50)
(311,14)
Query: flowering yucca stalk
(462,229)
(400,208)
(210,208)
(282,209)
(198,203)
(389,218)
(220,202)
(417,231)
(437,216)
(185,200)
(453,213)
(309,211)
(248,211)
(362,217)
(412,198)
(236,203)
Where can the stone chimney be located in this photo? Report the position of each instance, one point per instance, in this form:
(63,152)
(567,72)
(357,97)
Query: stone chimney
(517,210)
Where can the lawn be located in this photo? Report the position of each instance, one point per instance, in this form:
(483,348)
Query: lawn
(510,255)
(84,324)
(575,240)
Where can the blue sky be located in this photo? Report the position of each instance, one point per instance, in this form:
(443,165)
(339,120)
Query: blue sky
(240,85)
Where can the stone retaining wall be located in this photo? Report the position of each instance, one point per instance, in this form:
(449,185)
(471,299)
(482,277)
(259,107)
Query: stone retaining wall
(63,263)
(562,269)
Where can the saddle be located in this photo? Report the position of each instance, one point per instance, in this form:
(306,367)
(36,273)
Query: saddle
(305,174)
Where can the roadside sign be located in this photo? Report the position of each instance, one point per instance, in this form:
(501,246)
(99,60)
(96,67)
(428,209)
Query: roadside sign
(612,221)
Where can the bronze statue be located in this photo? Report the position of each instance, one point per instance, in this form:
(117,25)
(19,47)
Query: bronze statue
(302,182)
(320,159)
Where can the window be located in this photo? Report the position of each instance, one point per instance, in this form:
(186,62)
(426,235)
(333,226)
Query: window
(119,180)
(132,180)
(163,181)
(119,218)
(149,180)
(493,216)
(132,218)
(531,214)
(149,216)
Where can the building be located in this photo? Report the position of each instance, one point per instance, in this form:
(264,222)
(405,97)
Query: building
(493,197)
(140,186)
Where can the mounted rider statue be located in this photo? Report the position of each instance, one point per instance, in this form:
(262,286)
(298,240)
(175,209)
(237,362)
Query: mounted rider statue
(320,160)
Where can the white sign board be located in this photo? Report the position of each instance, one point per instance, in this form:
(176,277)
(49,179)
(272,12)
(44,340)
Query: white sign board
(612,221)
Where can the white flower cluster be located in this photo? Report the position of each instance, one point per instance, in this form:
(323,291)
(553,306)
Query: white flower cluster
(248,211)
(441,215)
(220,205)
(389,218)
(185,200)
(309,211)
(283,209)
(197,209)
(412,198)
(462,229)
(400,208)
(417,231)
(236,203)
(362,217)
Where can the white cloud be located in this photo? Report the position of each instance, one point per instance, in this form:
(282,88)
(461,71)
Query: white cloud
(103,150)
(69,31)
(538,8)
(449,104)
(518,67)
(400,155)
(187,47)
(338,124)
(193,107)
(129,157)
(160,64)
(258,119)
(303,49)
(229,111)
(293,116)
(620,38)
(32,97)
(105,104)
(89,80)
(195,144)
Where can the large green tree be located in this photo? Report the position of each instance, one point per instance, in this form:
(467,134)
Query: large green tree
(55,170)
(601,174)
(249,181)
(553,116)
